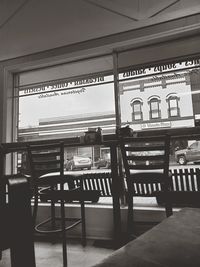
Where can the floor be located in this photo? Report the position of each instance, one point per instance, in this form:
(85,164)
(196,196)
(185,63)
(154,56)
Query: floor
(48,254)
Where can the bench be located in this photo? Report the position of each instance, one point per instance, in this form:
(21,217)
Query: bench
(185,186)
(99,181)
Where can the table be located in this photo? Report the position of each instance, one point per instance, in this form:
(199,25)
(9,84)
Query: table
(172,243)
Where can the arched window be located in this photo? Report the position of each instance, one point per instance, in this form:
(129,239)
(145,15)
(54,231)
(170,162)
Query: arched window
(137,110)
(173,108)
(154,104)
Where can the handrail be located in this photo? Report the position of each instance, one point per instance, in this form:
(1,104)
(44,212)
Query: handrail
(189,133)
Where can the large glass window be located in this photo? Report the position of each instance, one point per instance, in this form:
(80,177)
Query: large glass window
(169,94)
(66,100)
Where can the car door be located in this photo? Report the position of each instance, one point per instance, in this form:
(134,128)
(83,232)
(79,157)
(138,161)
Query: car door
(193,153)
(197,157)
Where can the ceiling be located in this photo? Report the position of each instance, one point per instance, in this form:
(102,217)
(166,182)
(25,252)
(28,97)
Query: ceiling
(30,26)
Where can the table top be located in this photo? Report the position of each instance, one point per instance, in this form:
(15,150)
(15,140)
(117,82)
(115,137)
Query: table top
(172,243)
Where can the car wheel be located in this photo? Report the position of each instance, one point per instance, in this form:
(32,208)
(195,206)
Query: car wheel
(89,168)
(182,160)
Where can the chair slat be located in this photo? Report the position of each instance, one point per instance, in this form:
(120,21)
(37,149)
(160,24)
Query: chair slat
(43,154)
(47,162)
(150,157)
(146,167)
(144,148)
(44,147)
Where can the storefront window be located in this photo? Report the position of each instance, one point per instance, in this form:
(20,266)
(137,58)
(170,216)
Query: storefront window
(137,110)
(169,94)
(68,106)
(173,106)
(66,101)
(155,112)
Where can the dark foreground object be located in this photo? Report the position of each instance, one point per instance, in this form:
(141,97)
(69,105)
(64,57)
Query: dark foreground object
(174,242)
(16,227)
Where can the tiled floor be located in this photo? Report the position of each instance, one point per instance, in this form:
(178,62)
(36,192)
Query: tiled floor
(50,255)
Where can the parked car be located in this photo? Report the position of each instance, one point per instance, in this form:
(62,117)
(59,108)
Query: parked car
(78,162)
(189,154)
(102,163)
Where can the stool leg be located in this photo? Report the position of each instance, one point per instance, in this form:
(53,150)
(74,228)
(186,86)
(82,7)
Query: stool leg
(53,224)
(130,220)
(64,241)
(35,208)
(83,223)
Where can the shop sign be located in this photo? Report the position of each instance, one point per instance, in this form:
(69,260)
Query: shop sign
(150,125)
(71,86)
(157,70)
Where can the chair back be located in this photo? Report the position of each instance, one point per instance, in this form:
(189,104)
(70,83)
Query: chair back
(146,164)
(46,159)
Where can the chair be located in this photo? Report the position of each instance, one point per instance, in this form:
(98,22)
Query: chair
(50,184)
(146,164)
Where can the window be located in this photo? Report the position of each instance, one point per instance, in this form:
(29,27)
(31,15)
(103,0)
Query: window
(137,110)
(64,101)
(195,145)
(155,111)
(165,91)
(67,100)
(173,108)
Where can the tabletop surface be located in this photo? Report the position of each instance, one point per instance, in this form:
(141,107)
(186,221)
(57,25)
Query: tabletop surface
(172,243)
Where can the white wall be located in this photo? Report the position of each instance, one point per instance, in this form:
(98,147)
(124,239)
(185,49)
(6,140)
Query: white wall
(99,219)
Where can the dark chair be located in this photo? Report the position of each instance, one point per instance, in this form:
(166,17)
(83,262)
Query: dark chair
(146,164)
(50,184)
(16,225)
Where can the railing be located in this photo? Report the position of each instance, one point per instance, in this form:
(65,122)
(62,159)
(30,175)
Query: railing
(97,181)
(186,179)
(182,180)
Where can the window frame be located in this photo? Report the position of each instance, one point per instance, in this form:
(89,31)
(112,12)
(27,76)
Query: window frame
(135,113)
(154,99)
(170,108)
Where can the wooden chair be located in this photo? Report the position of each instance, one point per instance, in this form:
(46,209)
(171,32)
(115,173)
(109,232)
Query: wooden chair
(50,184)
(146,164)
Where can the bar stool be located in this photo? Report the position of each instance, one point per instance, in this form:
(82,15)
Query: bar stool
(50,184)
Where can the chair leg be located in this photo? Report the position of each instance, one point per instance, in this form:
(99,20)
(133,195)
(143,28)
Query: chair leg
(83,223)
(130,221)
(130,216)
(64,241)
(35,209)
(168,209)
(53,220)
